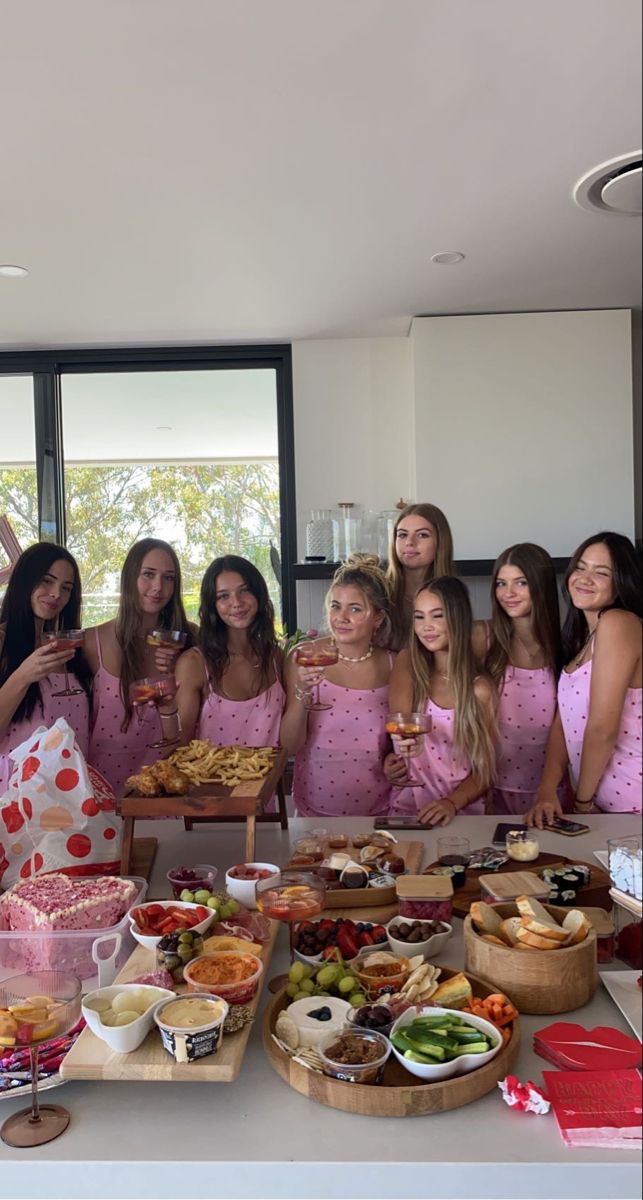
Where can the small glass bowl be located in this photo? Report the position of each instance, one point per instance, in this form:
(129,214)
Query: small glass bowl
(370,1072)
(206,875)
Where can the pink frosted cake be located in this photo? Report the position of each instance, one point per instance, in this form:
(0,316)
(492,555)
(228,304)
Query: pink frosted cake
(53,922)
(48,902)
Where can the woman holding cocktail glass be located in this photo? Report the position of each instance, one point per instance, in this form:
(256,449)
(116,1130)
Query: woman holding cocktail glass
(335,722)
(437,677)
(421,549)
(230,689)
(43,597)
(134,708)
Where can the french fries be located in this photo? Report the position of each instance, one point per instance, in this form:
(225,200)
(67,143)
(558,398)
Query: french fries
(230,765)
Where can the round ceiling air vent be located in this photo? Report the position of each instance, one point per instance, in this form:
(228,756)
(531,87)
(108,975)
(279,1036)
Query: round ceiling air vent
(612,187)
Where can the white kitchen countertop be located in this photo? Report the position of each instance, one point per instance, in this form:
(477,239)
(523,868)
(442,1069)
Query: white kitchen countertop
(259,1138)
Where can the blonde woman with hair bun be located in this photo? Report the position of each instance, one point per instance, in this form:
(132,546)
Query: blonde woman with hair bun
(339,751)
(421,549)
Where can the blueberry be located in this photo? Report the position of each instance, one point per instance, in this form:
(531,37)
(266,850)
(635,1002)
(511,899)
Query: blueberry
(321,1014)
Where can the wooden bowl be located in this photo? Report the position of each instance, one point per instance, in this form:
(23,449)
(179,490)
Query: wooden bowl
(537,981)
(400,1094)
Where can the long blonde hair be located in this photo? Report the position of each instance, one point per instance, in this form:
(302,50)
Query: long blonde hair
(363,571)
(441,566)
(472,735)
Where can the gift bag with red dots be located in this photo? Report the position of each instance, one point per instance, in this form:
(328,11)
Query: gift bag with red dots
(58,813)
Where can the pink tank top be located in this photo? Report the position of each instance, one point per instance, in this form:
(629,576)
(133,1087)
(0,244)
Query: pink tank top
(114,753)
(75,710)
(338,773)
(525,715)
(620,787)
(253,722)
(440,767)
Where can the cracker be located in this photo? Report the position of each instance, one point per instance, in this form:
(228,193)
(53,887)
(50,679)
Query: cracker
(287,1031)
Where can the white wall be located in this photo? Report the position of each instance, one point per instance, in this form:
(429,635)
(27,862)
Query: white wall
(524,426)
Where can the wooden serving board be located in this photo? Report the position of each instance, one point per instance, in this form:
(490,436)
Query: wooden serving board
(411,852)
(595,893)
(90,1058)
(400,1094)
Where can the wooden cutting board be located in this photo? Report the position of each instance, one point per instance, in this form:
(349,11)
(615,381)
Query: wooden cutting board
(595,893)
(90,1058)
(411,852)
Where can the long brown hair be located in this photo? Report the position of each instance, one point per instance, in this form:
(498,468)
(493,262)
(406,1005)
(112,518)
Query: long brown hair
(128,619)
(363,571)
(626,566)
(472,735)
(540,573)
(441,566)
(213,633)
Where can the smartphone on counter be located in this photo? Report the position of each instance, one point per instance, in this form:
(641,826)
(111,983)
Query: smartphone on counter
(568,828)
(399,823)
(500,833)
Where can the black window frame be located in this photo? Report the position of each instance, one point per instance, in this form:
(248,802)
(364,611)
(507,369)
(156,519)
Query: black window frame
(47,368)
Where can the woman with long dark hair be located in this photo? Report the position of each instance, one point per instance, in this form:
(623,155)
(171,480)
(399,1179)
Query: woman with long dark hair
(598,727)
(43,595)
(524,658)
(438,675)
(119,654)
(421,549)
(230,689)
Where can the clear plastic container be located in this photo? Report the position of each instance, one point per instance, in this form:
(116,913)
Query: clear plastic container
(94,955)
(425,897)
(240,991)
(625,865)
(347,530)
(358,1072)
(385,526)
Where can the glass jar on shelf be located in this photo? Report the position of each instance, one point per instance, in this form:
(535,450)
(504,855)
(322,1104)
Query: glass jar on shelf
(319,535)
(385,526)
(347,529)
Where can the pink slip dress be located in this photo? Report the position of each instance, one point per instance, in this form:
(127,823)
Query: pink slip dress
(338,773)
(619,789)
(117,754)
(440,767)
(526,712)
(253,722)
(75,710)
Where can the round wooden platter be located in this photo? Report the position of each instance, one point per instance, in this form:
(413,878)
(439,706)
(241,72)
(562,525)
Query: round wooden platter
(400,1094)
(595,893)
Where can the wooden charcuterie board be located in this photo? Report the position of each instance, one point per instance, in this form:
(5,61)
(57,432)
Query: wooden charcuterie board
(595,893)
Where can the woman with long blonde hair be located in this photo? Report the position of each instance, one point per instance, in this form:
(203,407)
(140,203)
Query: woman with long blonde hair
(438,675)
(421,549)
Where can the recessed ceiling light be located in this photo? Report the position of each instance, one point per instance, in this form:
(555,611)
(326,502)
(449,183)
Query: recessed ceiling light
(168,427)
(12,271)
(447,258)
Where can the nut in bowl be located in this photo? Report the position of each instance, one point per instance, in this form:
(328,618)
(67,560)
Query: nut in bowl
(151,922)
(123,1015)
(439,1043)
(408,936)
(241,881)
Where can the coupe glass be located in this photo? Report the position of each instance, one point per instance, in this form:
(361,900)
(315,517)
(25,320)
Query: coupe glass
(154,691)
(69,639)
(45,1006)
(291,896)
(409,728)
(172,640)
(311,654)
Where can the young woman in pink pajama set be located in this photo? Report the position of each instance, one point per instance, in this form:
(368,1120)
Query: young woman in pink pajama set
(523,657)
(438,675)
(339,751)
(230,689)
(598,727)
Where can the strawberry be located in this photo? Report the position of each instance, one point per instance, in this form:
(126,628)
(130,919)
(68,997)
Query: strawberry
(378,933)
(347,942)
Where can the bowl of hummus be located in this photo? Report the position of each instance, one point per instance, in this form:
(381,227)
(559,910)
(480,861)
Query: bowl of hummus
(191,1026)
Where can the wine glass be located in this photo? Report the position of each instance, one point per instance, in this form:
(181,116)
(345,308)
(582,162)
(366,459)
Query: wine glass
(69,639)
(154,691)
(290,896)
(172,640)
(34,1009)
(408,727)
(311,654)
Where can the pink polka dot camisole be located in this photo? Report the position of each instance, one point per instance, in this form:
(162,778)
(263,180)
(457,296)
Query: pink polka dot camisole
(440,767)
(338,773)
(619,789)
(253,722)
(75,710)
(117,754)
(526,710)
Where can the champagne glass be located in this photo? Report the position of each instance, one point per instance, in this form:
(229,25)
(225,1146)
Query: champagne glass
(172,640)
(290,896)
(154,691)
(408,727)
(34,1009)
(66,639)
(311,654)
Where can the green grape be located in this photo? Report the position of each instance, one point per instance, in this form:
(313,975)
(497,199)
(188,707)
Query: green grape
(292,989)
(233,906)
(224,912)
(356,999)
(296,972)
(307,986)
(302,996)
(346,985)
(308,970)
(326,977)
(319,992)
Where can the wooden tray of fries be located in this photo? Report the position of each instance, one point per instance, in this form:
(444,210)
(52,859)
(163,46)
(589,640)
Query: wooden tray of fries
(258,771)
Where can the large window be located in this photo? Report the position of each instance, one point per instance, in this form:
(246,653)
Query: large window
(18,488)
(191,446)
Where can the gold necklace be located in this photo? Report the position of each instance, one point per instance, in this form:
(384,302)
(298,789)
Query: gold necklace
(580,657)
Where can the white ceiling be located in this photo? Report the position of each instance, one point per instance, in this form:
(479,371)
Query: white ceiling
(210,171)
